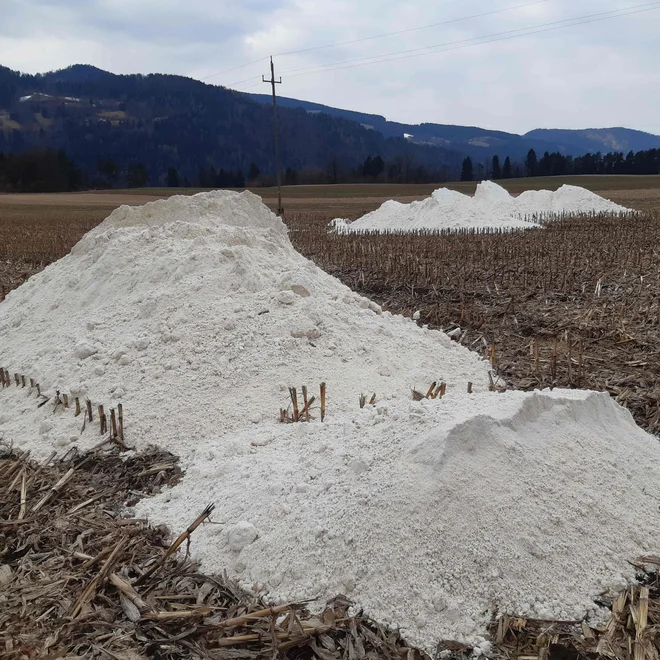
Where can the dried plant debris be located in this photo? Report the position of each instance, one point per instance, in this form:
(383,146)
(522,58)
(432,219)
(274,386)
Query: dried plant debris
(294,413)
(633,631)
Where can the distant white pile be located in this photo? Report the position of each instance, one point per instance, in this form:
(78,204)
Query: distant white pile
(491,207)
(197,313)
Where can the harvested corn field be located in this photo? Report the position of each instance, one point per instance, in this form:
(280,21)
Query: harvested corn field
(402,476)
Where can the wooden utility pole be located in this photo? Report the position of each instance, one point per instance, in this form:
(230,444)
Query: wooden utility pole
(273,82)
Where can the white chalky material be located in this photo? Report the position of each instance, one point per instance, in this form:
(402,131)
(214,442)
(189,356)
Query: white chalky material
(240,535)
(430,514)
(491,207)
(191,312)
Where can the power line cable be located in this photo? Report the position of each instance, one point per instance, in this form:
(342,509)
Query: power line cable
(241,66)
(377,36)
(242,81)
(464,43)
(415,29)
(616,12)
(252,86)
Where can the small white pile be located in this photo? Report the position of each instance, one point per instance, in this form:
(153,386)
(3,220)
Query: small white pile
(196,313)
(492,207)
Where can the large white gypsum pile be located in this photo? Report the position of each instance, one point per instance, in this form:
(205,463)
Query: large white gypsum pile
(491,207)
(196,313)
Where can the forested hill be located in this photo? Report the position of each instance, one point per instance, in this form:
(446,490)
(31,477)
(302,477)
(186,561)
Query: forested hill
(482,143)
(597,139)
(105,122)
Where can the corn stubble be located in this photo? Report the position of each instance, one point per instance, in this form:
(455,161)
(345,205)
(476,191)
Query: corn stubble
(33,237)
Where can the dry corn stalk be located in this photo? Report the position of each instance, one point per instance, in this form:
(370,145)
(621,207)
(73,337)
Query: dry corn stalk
(297,415)
(434,391)
(185,536)
(54,490)
(89,591)
(322,401)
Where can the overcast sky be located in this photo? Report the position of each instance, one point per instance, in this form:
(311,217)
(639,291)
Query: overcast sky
(603,73)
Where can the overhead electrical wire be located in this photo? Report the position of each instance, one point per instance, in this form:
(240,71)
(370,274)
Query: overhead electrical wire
(376,36)
(465,43)
(234,84)
(415,29)
(241,66)
(253,85)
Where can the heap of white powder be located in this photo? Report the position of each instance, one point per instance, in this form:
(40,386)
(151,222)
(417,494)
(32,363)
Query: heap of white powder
(491,207)
(196,313)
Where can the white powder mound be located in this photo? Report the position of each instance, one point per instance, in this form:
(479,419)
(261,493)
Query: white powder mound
(565,200)
(491,207)
(196,313)
(430,514)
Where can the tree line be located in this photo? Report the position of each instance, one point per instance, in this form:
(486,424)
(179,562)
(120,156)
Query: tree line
(39,170)
(49,170)
(556,164)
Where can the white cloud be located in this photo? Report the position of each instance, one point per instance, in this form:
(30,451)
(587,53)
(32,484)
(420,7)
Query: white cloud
(597,74)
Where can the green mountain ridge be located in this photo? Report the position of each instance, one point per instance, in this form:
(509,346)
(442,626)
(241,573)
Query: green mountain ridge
(106,123)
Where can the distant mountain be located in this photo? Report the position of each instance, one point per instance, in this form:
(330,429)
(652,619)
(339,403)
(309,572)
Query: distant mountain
(576,142)
(167,121)
(480,143)
(78,73)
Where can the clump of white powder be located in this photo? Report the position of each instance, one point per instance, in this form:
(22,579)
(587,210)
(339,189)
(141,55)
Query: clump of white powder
(431,515)
(197,313)
(491,207)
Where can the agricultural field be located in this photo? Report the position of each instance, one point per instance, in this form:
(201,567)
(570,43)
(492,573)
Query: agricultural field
(573,305)
(36,229)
